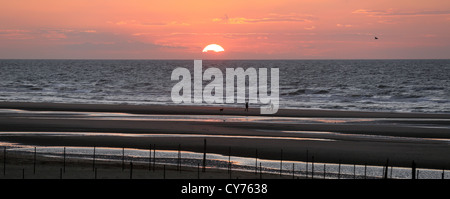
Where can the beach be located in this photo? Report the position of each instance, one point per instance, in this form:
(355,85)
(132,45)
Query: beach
(347,137)
(20,166)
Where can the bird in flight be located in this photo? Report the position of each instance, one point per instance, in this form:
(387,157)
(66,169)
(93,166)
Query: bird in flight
(376,37)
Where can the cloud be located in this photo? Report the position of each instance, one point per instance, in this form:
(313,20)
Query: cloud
(387,21)
(59,34)
(226,34)
(139,23)
(7,31)
(16,34)
(344,25)
(257,35)
(225,18)
(118,46)
(391,12)
(272,18)
(45,33)
(89,31)
(430,35)
(54,35)
(369,12)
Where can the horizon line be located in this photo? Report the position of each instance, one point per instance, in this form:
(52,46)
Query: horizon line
(165,59)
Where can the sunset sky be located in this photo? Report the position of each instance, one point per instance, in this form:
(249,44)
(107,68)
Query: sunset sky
(255,29)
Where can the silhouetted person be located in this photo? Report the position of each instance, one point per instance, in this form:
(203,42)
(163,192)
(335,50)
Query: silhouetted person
(246,106)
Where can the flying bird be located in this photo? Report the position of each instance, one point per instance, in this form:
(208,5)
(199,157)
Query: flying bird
(376,37)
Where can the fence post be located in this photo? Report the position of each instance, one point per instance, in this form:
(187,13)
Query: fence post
(365,170)
(229,159)
(260,171)
(34,161)
(154,156)
(131,169)
(312,167)
(64,160)
(281,162)
(150,158)
(306,164)
(413,170)
(230,169)
(4,160)
(392,168)
(93,161)
(386,169)
(293,171)
(123,158)
(256,162)
(204,155)
(339,170)
(179,158)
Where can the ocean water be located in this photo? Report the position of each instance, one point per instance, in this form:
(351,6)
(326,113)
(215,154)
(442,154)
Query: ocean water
(365,85)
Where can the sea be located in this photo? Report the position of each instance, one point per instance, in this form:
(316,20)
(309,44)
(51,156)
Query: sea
(358,85)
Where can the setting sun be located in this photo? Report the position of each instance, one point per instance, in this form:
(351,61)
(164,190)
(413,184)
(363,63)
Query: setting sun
(213,47)
(284,29)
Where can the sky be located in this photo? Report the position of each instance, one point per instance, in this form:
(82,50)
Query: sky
(253,29)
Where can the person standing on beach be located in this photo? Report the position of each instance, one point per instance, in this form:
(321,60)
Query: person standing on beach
(246,106)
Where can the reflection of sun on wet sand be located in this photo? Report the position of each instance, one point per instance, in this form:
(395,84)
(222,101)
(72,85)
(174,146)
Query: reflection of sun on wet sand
(357,137)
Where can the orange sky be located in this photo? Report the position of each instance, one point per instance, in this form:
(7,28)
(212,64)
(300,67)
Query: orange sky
(281,29)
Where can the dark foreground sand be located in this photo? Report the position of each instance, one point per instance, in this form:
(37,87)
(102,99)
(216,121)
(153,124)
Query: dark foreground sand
(399,137)
(22,166)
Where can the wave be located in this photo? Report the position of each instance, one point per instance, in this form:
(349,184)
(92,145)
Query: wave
(361,95)
(305,91)
(429,88)
(321,92)
(36,89)
(381,86)
(295,92)
(406,96)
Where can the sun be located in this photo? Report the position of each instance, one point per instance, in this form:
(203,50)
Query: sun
(213,47)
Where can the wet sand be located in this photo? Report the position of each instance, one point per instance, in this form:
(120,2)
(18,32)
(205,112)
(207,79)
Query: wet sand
(22,166)
(350,137)
(208,110)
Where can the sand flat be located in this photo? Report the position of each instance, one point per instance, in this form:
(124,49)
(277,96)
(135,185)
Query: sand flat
(356,137)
